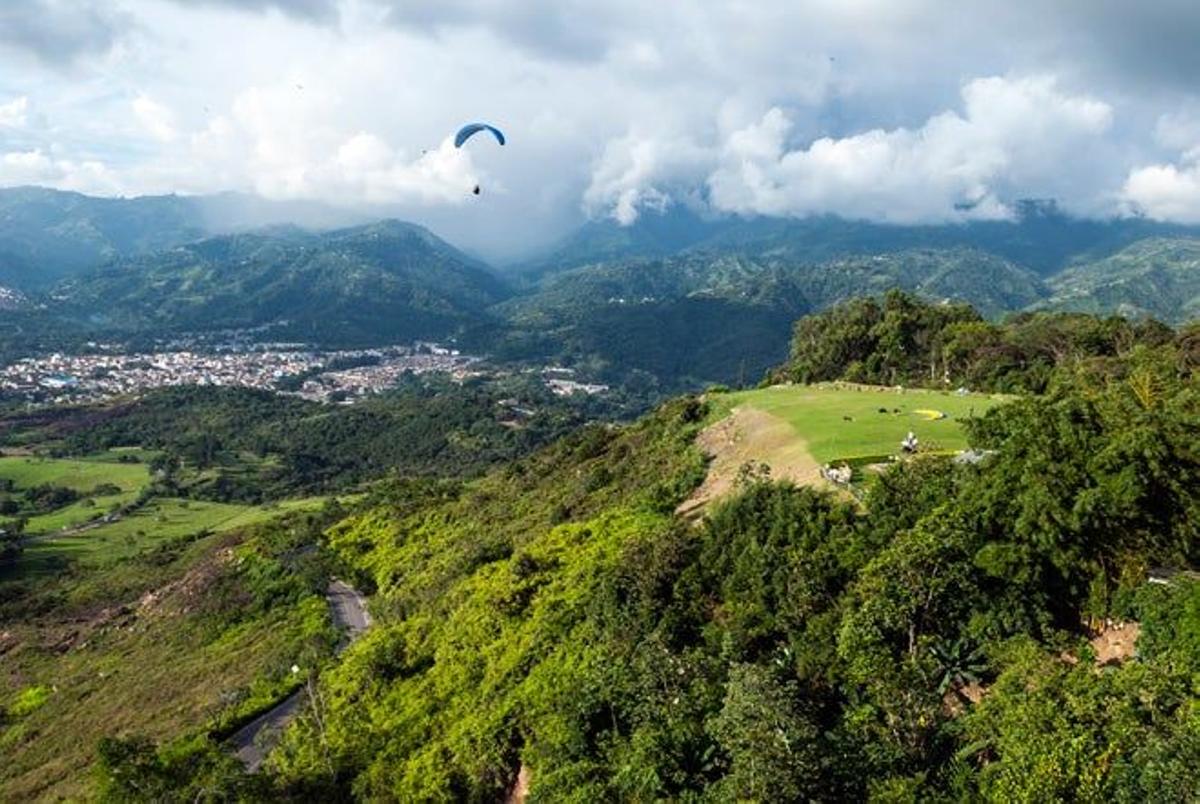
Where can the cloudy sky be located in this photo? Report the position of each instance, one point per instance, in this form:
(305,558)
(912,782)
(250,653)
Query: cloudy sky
(920,110)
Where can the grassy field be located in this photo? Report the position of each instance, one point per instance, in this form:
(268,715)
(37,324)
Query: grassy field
(162,520)
(81,474)
(839,421)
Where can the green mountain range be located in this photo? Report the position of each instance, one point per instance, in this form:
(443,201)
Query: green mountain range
(676,299)
(48,235)
(382,282)
(1040,237)
(702,318)
(1157,277)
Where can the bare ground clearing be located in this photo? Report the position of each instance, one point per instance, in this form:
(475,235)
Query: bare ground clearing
(749,435)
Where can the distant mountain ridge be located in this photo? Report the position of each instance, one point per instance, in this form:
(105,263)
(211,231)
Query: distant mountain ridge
(48,235)
(723,317)
(678,297)
(1040,237)
(1157,277)
(386,281)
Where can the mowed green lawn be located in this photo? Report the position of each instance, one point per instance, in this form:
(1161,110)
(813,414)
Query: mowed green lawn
(843,422)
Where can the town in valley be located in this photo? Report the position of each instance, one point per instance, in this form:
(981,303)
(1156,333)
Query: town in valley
(106,371)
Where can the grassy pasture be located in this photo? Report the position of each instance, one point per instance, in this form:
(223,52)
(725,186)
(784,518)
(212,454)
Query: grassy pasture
(159,669)
(81,474)
(162,520)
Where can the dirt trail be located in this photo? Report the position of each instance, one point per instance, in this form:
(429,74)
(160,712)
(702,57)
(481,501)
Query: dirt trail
(252,742)
(750,435)
(520,788)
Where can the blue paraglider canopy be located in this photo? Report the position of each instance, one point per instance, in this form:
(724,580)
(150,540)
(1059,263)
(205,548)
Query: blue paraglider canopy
(471,129)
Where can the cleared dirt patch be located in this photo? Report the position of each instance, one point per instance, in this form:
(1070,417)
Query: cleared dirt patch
(749,435)
(956,700)
(1116,643)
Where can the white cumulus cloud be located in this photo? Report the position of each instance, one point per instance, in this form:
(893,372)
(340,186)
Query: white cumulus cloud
(1166,191)
(863,107)
(38,167)
(637,172)
(1019,135)
(284,144)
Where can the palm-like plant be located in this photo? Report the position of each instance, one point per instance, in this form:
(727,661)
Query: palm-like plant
(958,666)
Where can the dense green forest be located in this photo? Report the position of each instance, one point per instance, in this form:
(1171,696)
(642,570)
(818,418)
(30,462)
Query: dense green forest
(901,339)
(1156,277)
(49,235)
(692,320)
(948,636)
(383,283)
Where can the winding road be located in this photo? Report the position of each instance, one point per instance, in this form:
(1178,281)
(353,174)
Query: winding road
(251,742)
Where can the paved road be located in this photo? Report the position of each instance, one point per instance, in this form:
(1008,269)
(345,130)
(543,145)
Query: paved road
(252,741)
(349,609)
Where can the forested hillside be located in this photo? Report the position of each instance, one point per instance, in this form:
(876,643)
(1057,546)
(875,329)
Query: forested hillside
(673,302)
(384,283)
(234,444)
(47,235)
(959,633)
(902,339)
(1040,237)
(688,321)
(703,402)
(1157,277)
(188,630)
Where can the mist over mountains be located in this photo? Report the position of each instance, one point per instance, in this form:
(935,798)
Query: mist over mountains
(47,235)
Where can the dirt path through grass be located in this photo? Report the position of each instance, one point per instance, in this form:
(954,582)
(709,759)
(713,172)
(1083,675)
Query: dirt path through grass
(749,435)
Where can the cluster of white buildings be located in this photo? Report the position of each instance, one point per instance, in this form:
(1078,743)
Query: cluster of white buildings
(560,381)
(345,384)
(568,387)
(11,299)
(95,377)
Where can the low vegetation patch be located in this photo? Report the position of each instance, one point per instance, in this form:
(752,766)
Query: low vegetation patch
(174,642)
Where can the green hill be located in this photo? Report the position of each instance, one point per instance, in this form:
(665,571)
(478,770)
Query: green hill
(1040,237)
(1019,625)
(47,235)
(710,318)
(383,282)
(558,623)
(1157,277)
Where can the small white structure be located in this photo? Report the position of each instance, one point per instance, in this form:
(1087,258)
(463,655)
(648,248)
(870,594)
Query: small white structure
(839,475)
